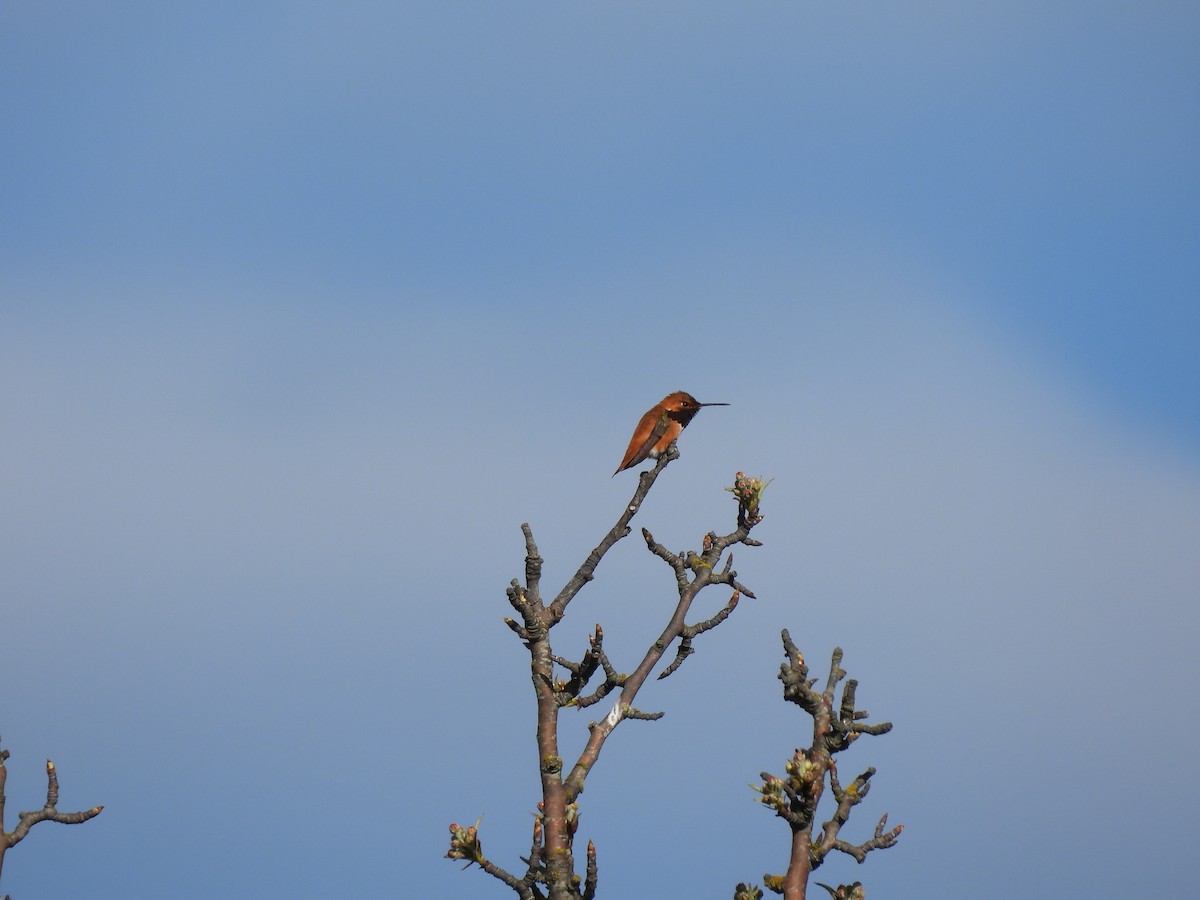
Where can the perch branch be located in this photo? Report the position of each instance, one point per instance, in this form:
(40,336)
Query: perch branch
(587,571)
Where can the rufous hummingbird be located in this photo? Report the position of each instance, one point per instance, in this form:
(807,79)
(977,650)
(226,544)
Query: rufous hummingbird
(660,426)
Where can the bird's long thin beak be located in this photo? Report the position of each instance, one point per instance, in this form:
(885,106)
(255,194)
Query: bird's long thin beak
(712,404)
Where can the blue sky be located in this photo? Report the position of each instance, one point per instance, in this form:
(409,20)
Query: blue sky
(304,308)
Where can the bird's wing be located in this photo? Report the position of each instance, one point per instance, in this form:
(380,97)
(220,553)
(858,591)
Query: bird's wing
(653,425)
(656,433)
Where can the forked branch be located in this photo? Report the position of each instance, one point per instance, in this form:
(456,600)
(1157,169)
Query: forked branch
(48,813)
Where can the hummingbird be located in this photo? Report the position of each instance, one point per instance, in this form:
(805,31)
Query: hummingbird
(660,426)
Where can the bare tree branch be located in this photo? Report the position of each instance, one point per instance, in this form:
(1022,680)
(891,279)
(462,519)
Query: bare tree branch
(587,571)
(550,864)
(795,797)
(48,813)
(592,873)
(700,567)
(690,631)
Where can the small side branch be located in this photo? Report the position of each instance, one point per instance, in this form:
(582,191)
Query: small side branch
(530,611)
(634,713)
(465,845)
(592,873)
(537,850)
(671,559)
(612,681)
(533,564)
(582,671)
(690,631)
(48,813)
(847,799)
(881,841)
